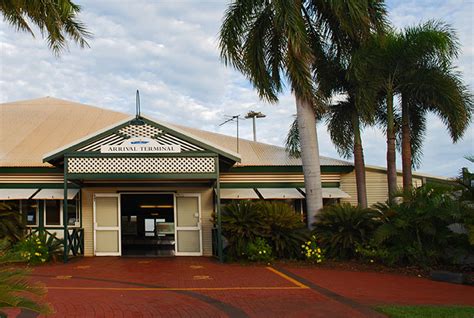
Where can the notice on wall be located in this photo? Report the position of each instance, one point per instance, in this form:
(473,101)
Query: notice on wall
(149,225)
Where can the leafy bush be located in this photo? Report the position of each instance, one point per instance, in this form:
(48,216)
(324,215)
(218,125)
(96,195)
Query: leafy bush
(416,230)
(312,251)
(277,223)
(11,226)
(38,248)
(341,227)
(259,251)
(241,223)
(283,227)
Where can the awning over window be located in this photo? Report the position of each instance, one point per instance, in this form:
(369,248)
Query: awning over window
(280,193)
(332,193)
(16,194)
(238,194)
(55,194)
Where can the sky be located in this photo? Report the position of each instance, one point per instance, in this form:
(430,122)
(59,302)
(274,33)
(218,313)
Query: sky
(168,50)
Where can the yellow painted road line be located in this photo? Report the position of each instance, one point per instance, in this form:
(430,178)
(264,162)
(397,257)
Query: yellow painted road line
(288,278)
(171,288)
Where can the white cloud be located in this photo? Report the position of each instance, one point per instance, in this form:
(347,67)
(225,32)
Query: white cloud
(168,50)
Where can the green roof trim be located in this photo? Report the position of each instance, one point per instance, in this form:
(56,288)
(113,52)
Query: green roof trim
(324,169)
(38,186)
(251,185)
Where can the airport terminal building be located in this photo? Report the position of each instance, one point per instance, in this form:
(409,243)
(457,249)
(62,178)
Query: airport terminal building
(120,185)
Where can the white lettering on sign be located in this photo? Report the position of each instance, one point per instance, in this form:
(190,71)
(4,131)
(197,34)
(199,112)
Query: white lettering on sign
(140,145)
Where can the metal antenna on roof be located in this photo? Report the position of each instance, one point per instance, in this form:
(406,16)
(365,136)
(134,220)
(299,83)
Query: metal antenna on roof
(137,105)
(236,119)
(137,121)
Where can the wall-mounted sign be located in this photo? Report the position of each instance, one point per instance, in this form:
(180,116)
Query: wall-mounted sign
(140,145)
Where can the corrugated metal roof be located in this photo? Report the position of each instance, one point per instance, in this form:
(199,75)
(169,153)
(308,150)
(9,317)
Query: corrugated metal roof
(31,128)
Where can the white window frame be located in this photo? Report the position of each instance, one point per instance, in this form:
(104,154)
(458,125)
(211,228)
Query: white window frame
(61,216)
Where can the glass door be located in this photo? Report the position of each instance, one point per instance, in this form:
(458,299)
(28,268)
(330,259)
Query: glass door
(107,225)
(188,224)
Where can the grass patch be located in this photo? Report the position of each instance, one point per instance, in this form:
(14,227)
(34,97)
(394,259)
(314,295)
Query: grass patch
(396,311)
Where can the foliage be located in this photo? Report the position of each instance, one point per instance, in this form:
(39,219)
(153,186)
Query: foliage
(340,227)
(57,20)
(11,225)
(416,230)
(241,223)
(38,248)
(259,251)
(371,253)
(277,223)
(283,228)
(17,292)
(400,311)
(312,251)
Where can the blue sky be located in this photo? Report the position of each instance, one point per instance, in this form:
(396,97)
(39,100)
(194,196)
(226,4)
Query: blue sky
(167,49)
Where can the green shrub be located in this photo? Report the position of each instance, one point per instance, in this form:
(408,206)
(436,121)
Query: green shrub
(11,226)
(241,223)
(259,251)
(312,250)
(38,248)
(415,231)
(276,222)
(283,228)
(341,227)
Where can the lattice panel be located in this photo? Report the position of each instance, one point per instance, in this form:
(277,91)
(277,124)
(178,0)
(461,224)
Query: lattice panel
(109,140)
(175,165)
(140,131)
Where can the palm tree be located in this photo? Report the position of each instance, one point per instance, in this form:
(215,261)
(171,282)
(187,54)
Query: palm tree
(393,65)
(56,19)
(430,85)
(277,42)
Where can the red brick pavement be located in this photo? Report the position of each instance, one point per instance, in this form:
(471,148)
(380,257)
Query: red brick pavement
(202,287)
(377,288)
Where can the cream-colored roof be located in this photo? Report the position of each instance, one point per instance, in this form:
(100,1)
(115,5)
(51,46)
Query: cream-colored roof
(30,129)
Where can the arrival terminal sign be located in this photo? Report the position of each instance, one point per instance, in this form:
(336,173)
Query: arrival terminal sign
(140,145)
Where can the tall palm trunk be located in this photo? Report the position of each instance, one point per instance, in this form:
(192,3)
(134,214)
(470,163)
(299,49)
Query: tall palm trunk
(406,147)
(309,158)
(391,151)
(359,164)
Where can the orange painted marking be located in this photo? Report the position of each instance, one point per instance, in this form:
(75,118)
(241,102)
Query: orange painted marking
(288,278)
(172,288)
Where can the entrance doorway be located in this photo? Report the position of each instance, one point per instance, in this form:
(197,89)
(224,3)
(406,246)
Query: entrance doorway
(147,224)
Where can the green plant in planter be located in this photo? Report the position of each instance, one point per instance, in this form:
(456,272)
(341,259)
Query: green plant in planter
(38,248)
(283,228)
(259,251)
(341,227)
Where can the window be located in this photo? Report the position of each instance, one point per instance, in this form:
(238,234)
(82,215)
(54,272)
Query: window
(72,212)
(29,209)
(52,211)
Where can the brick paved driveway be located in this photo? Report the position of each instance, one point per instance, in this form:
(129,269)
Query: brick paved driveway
(202,287)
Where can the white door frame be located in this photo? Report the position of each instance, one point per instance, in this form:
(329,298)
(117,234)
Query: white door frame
(188,228)
(117,228)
